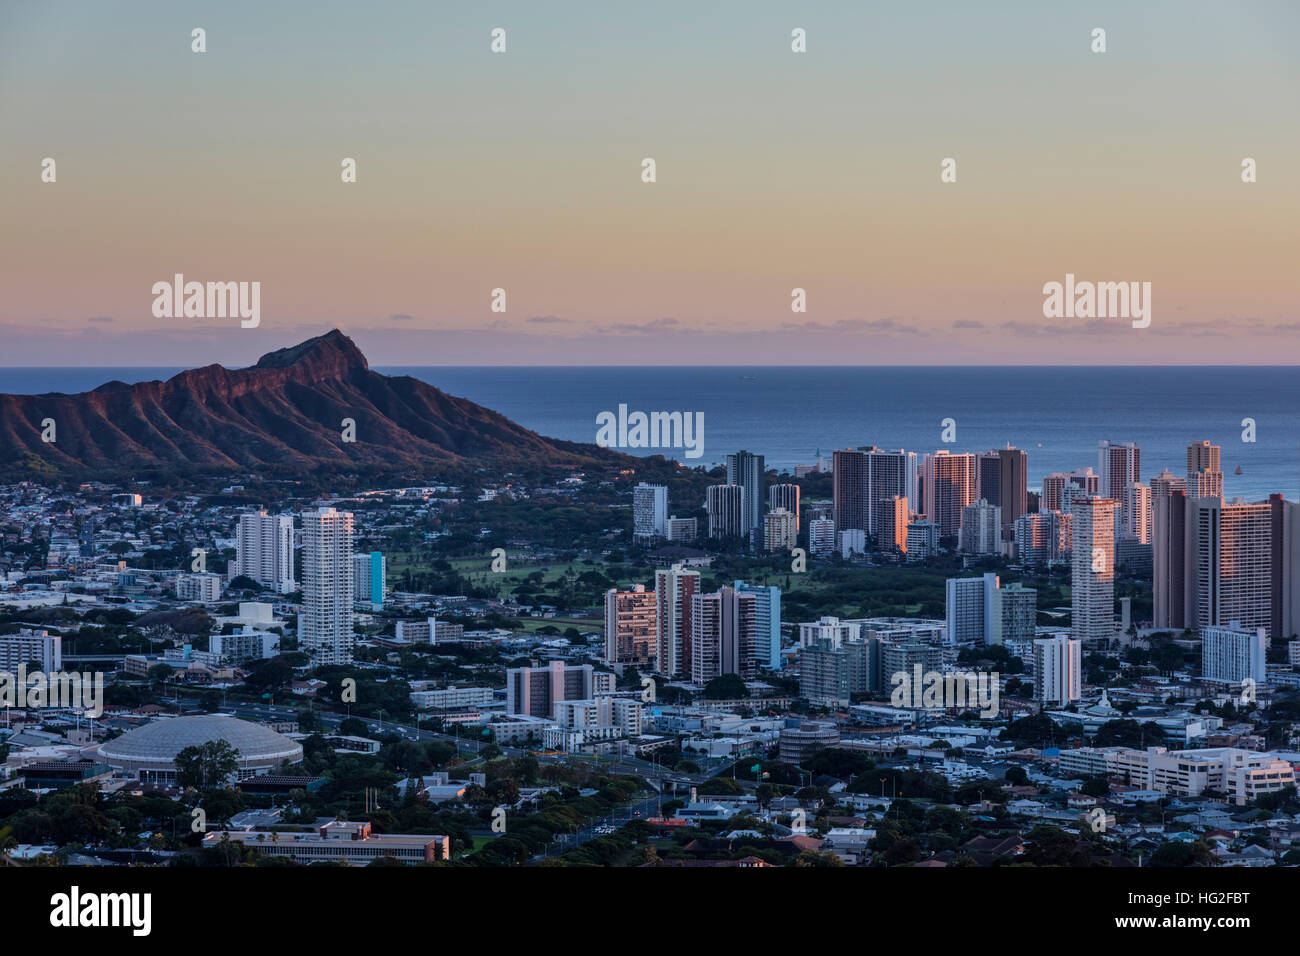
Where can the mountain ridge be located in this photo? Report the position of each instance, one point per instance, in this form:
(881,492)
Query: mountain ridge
(284,415)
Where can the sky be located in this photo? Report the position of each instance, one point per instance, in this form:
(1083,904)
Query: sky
(775,170)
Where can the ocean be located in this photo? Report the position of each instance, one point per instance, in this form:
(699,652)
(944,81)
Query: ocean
(1057,414)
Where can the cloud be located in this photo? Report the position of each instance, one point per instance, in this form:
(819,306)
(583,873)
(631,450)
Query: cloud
(101,318)
(891,326)
(641,328)
(400,317)
(549,320)
(967,324)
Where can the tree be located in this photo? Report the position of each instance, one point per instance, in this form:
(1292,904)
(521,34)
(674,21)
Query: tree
(161,672)
(207,765)
(726,687)
(1183,854)
(1095,787)
(353,727)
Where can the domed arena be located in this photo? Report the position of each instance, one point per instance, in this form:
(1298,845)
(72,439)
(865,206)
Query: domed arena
(148,753)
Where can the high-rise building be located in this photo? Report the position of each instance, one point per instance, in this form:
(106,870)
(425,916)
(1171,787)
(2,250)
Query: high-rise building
(891,525)
(630,618)
(747,470)
(821,536)
(726,507)
(1001,479)
(898,660)
(824,675)
(1058,667)
(724,634)
(264,550)
(969,608)
(536,691)
(1053,485)
(325,624)
(889,473)
(1092,569)
(780,530)
(767,623)
(1043,538)
(674,589)
(1137,512)
(864,477)
(851,490)
(1233,562)
(949,487)
(1232,653)
(1119,464)
(784,496)
(1169,557)
(649,512)
(1217,561)
(981,528)
(369,578)
(1204,476)
(1015,614)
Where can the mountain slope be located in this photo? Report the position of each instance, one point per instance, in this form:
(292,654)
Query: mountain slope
(283,415)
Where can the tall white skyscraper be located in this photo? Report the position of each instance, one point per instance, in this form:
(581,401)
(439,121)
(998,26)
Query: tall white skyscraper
(969,607)
(1092,571)
(649,512)
(264,550)
(325,624)
(1058,665)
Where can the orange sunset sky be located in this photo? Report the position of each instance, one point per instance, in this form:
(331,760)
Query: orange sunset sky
(775,170)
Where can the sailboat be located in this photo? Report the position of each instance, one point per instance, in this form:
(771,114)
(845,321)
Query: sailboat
(1238,471)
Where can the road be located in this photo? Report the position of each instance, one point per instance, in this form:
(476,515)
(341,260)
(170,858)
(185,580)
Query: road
(622,764)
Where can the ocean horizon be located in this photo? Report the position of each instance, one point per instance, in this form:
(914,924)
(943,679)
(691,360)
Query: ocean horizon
(788,413)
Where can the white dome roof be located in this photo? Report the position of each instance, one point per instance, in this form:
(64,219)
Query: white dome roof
(161,740)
